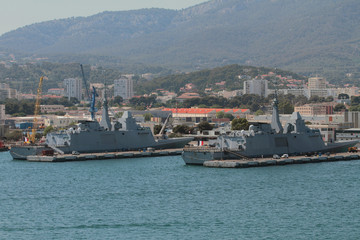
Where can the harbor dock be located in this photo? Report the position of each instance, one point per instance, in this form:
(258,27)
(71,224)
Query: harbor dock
(264,162)
(103,156)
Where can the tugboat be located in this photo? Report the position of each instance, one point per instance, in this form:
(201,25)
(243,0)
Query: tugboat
(265,140)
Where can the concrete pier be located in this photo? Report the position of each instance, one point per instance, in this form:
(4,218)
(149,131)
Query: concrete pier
(263,162)
(102,156)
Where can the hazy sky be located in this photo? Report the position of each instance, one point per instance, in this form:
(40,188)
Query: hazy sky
(19,13)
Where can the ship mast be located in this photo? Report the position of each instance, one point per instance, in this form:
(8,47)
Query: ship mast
(275,120)
(105,119)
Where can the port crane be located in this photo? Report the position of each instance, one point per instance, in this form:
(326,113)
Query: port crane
(88,96)
(93,109)
(37,110)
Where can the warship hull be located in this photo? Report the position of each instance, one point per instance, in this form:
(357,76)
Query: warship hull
(197,156)
(21,152)
(117,143)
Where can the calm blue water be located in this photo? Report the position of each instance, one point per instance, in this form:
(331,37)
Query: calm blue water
(161,198)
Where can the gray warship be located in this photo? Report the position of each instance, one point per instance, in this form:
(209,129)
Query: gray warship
(90,136)
(265,140)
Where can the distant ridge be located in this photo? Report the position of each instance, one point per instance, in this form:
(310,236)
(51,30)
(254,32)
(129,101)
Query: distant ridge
(303,36)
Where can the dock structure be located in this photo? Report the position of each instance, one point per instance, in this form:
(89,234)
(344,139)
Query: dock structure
(263,162)
(103,156)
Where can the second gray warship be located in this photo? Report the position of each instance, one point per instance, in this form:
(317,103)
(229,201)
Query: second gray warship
(265,140)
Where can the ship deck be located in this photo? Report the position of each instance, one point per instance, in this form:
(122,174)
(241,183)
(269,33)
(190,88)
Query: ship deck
(263,162)
(103,156)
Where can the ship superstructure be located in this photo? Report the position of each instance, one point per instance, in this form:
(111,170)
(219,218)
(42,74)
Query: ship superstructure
(265,140)
(90,136)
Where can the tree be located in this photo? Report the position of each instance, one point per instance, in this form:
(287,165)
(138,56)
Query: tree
(205,126)
(286,107)
(300,100)
(343,96)
(48,129)
(220,114)
(355,100)
(119,114)
(229,116)
(14,135)
(329,99)
(118,100)
(239,124)
(259,112)
(157,129)
(183,129)
(147,116)
(339,107)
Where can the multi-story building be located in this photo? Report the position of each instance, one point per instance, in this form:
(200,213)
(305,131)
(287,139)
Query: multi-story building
(2,113)
(315,109)
(353,118)
(316,83)
(294,91)
(256,86)
(317,87)
(191,116)
(7,92)
(73,88)
(318,92)
(51,108)
(56,91)
(123,87)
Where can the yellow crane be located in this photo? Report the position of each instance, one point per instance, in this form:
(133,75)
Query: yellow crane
(36,112)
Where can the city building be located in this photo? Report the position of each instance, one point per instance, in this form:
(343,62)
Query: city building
(62,121)
(353,118)
(317,83)
(317,87)
(123,87)
(348,134)
(187,95)
(7,92)
(229,94)
(256,86)
(294,91)
(56,91)
(73,88)
(318,92)
(315,109)
(2,113)
(51,108)
(196,115)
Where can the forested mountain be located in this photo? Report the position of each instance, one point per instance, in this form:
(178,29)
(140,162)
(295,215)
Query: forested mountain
(305,36)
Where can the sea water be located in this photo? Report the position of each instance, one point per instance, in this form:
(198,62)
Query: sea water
(162,198)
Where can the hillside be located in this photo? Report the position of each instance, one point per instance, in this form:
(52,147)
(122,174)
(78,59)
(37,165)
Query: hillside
(209,77)
(303,36)
(23,78)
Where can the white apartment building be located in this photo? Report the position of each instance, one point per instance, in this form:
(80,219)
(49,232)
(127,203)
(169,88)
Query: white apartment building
(124,87)
(317,87)
(73,88)
(256,86)
(316,83)
(2,112)
(7,92)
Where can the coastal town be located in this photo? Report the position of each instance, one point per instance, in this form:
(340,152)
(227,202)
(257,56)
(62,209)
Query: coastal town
(331,110)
